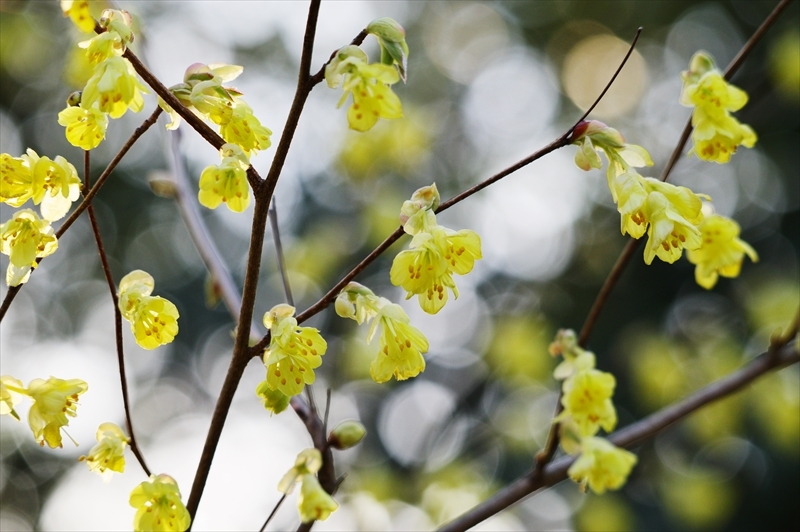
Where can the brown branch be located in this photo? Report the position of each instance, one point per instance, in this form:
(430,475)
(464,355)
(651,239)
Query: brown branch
(272,513)
(112,287)
(631,435)
(87,200)
(263,195)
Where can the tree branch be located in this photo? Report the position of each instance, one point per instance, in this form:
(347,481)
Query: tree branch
(263,195)
(631,435)
(112,287)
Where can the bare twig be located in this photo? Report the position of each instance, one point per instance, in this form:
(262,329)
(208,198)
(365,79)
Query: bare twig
(272,513)
(276,238)
(631,435)
(87,200)
(117,320)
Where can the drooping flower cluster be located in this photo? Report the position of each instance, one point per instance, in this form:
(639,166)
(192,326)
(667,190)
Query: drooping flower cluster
(203,93)
(53,401)
(153,319)
(108,455)
(158,506)
(227,182)
(586,399)
(671,216)
(26,237)
(293,354)
(113,87)
(717,134)
(401,344)
(314,503)
(426,269)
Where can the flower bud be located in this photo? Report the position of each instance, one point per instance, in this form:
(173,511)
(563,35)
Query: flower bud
(347,434)
(392,39)
(74,99)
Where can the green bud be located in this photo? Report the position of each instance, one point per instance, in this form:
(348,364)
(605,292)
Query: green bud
(392,39)
(347,434)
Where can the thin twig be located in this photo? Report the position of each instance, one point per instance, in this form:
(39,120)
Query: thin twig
(263,195)
(112,287)
(276,238)
(631,435)
(272,513)
(87,200)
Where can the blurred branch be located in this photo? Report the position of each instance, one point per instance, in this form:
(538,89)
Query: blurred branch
(272,513)
(112,287)
(276,239)
(87,200)
(551,445)
(631,435)
(263,195)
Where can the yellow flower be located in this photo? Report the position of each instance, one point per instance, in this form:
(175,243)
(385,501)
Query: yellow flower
(86,128)
(53,400)
(314,503)
(401,345)
(158,506)
(716,138)
(593,136)
(226,183)
(114,87)
(670,230)
(716,134)
(308,462)
(721,252)
(244,129)
(587,400)
(426,269)
(153,319)
(293,352)
(78,11)
(56,185)
(24,238)
(11,392)
(630,194)
(109,453)
(16,180)
(368,83)
(601,465)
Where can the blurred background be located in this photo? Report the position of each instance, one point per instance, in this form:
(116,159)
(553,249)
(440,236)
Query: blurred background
(488,84)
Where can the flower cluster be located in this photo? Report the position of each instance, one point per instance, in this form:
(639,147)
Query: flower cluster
(314,503)
(293,354)
(153,319)
(426,269)
(716,134)
(586,398)
(401,344)
(158,506)
(203,93)
(113,87)
(53,185)
(53,400)
(672,216)
(227,182)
